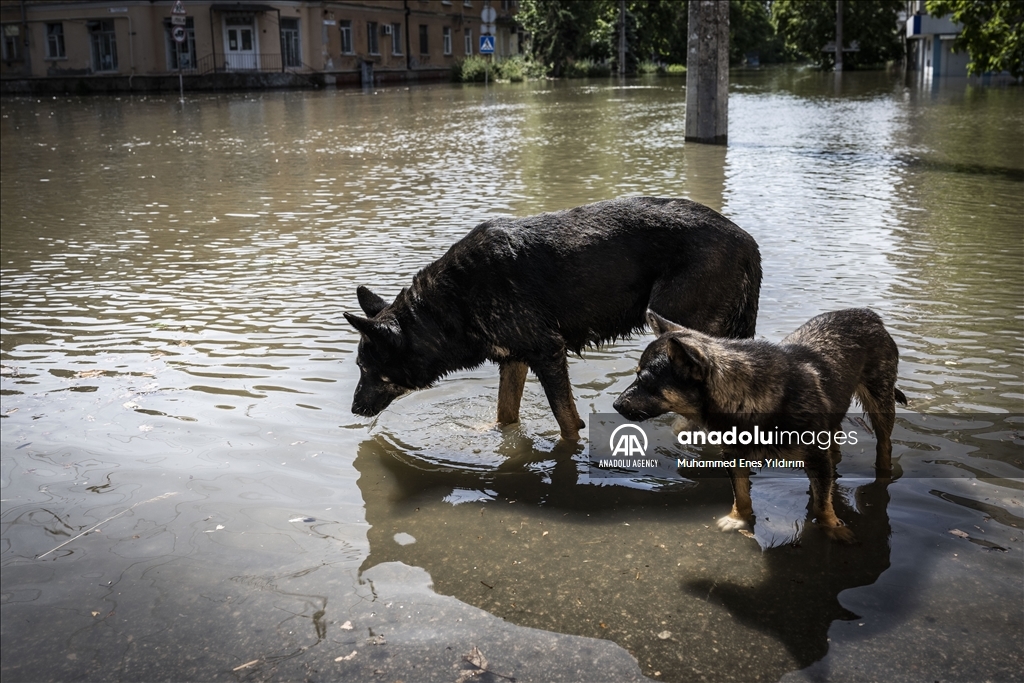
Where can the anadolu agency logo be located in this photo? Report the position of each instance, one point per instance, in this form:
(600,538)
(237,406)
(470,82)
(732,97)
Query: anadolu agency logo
(625,441)
(628,446)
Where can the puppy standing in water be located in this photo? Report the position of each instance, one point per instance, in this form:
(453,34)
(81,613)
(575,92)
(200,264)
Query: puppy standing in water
(804,384)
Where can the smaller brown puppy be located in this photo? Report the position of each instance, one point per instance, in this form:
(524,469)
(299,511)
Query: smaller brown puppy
(802,386)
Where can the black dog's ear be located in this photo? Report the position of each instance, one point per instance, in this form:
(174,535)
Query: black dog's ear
(370,302)
(688,357)
(377,330)
(660,325)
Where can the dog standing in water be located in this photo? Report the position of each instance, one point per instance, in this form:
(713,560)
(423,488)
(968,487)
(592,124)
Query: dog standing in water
(525,292)
(803,384)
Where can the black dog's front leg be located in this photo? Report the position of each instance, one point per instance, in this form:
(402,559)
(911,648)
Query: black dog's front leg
(553,373)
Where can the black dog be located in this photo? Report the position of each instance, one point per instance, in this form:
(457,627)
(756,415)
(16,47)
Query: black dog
(524,292)
(803,385)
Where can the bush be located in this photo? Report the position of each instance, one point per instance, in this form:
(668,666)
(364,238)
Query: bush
(470,69)
(648,67)
(586,68)
(514,69)
(675,69)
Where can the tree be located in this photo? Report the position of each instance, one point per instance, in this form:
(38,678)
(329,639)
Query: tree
(751,32)
(807,25)
(993,32)
(561,30)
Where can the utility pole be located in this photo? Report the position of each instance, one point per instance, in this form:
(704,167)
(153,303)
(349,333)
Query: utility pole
(622,37)
(839,35)
(707,72)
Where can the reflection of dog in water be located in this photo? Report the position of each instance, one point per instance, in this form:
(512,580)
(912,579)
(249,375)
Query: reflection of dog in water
(804,384)
(524,292)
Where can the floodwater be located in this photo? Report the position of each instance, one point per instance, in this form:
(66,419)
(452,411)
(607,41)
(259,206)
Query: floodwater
(177,376)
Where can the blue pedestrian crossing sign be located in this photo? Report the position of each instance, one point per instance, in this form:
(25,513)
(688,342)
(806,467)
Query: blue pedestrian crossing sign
(487,45)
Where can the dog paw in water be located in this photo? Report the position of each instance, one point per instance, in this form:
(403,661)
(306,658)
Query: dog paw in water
(841,534)
(729,523)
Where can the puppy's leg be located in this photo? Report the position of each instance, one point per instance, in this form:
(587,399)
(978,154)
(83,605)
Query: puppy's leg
(821,473)
(880,405)
(742,514)
(512,379)
(554,377)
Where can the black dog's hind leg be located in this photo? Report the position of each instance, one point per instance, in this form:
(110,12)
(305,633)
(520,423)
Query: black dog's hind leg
(553,373)
(511,380)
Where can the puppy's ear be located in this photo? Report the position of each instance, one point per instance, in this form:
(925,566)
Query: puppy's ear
(370,302)
(378,331)
(688,357)
(660,325)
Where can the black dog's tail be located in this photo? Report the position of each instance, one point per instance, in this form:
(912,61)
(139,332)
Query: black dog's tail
(900,396)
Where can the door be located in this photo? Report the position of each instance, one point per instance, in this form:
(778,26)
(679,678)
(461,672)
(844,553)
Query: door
(240,52)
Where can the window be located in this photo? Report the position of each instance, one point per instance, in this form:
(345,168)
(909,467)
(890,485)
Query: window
(371,38)
(469,41)
(446,32)
(103,42)
(467,3)
(12,42)
(290,50)
(55,41)
(396,39)
(346,37)
(181,55)
(424,47)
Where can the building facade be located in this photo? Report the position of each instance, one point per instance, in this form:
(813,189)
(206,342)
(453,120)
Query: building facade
(299,42)
(930,44)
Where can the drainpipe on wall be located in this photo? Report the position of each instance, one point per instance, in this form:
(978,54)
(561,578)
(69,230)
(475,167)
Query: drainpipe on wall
(213,40)
(24,40)
(131,51)
(408,44)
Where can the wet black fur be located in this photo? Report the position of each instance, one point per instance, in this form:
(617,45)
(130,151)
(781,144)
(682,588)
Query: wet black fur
(532,289)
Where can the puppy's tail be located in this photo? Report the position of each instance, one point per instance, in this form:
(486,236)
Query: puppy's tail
(900,396)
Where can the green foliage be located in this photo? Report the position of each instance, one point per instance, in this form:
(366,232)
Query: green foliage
(469,70)
(807,25)
(751,32)
(993,32)
(648,67)
(660,29)
(586,68)
(515,69)
(676,69)
(564,31)
(561,30)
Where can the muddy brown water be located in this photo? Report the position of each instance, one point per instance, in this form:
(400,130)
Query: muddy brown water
(174,276)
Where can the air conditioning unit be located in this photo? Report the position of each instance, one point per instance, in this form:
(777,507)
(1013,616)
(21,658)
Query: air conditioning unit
(386,29)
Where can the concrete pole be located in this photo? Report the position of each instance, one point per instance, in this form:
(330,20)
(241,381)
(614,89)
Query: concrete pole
(622,37)
(839,35)
(707,72)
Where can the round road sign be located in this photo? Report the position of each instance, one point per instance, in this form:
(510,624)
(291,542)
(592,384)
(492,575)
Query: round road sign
(488,15)
(178,33)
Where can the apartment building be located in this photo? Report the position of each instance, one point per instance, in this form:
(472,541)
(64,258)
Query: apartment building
(145,44)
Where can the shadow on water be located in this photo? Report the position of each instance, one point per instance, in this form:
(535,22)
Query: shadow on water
(797,601)
(537,543)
